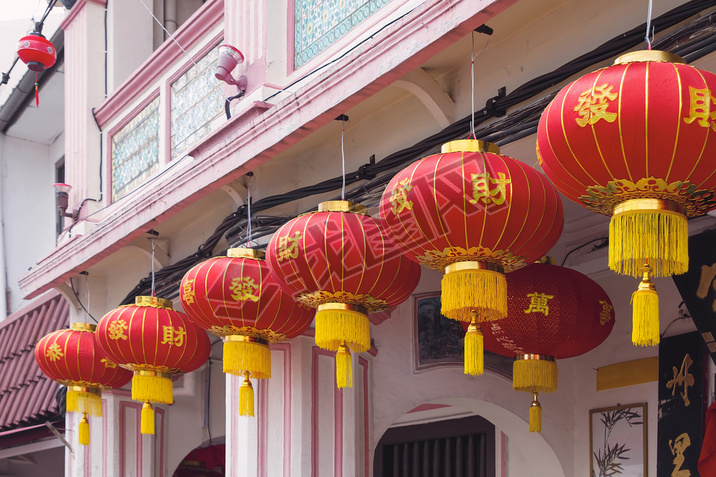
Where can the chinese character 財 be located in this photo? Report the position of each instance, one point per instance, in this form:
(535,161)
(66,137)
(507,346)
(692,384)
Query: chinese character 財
(117,329)
(243,289)
(488,189)
(173,336)
(538,303)
(678,446)
(700,108)
(399,196)
(593,103)
(288,246)
(682,377)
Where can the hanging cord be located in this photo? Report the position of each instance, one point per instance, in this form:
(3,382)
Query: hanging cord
(472,78)
(343,156)
(167,32)
(248,211)
(154,244)
(649,34)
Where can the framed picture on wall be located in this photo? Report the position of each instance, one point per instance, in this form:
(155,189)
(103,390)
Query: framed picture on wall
(617,441)
(439,341)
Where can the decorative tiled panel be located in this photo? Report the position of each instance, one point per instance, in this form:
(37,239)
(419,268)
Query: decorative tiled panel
(197,98)
(320,23)
(135,151)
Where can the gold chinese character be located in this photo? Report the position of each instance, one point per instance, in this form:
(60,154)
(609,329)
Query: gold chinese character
(538,303)
(606,314)
(188,290)
(678,446)
(682,377)
(117,329)
(700,108)
(243,289)
(399,196)
(488,189)
(54,352)
(173,336)
(108,363)
(288,246)
(705,281)
(593,103)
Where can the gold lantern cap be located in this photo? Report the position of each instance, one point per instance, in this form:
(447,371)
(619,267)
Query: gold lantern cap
(154,301)
(470,145)
(649,55)
(77,326)
(342,206)
(242,252)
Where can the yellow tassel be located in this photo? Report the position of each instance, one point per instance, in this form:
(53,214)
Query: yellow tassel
(335,326)
(645,312)
(84,431)
(538,373)
(660,237)
(344,367)
(474,355)
(469,291)
(84,402)
(147,420)
(151,387)
(246,397)
(246,356)
(535,415)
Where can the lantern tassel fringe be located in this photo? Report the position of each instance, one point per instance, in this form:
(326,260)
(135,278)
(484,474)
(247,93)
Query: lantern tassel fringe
(84,402)
(152,388)
(243,356)
(344,367)
(147,419)
(535,415)
(336,327)
(246,398)
(474,350)
(645,312)
(659,236)
(534,374)
(467,291)
(84,431)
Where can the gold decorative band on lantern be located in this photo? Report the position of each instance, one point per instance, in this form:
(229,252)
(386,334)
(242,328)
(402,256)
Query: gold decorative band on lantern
(342,307)
(649,55)
(85,390)
(153,301)
(470,265)
(246,339)
(155,374)
(77,326)
(633,205)
(470,145)
(342,206)
(534,357)
(241,252)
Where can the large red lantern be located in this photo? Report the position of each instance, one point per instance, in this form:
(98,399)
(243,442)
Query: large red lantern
(636,141)
(339,261)
(236,298)
(38,53)
(553,313)
(474,214)
(154,341)
(72,358)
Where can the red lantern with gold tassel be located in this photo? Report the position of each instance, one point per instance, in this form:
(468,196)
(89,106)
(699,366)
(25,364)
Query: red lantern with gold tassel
(474,214)
(235,297)
(553,313)
(72,358)
(38,53)
(156,342)
(636,141)
(339,261)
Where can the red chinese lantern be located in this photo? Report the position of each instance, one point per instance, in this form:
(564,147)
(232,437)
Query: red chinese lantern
(38,53)
(155,342)
(475,215)
(236,298)
(339,261)
(553,313)
(636,141)
(72,358)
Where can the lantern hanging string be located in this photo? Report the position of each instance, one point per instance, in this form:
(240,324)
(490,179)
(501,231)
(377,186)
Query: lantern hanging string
(248,212)
(648,26)
(472,82)
(343,159)
(154,293)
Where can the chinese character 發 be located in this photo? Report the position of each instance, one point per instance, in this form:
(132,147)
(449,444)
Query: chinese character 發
(488,189)
(288,246)
(399,196)
(54,352)
(682,377)
(606,314)
(173,336)
(117,329)
(678,446)
(700,108)
(243,289)
(538,303)
(705,281)
(188,290)
(593,103)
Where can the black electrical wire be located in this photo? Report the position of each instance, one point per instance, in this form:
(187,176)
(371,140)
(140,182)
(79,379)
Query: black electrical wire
(168,277)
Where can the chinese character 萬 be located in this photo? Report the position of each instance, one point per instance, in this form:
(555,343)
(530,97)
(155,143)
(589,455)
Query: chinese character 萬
(538,303)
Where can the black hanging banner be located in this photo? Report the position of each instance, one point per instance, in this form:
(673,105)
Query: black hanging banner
(682,386)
